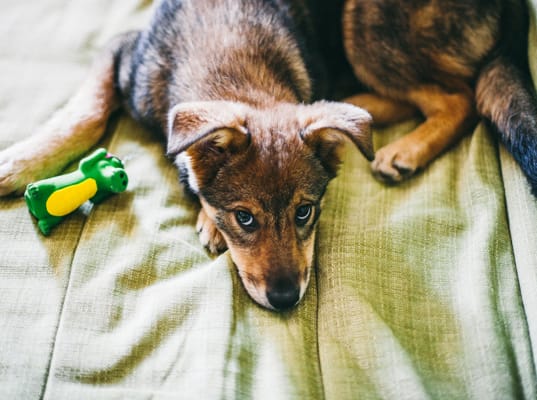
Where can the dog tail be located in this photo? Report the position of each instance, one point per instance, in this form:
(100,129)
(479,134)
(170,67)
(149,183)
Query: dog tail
(505,94)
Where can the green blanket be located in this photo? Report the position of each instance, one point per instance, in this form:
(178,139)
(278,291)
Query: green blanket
(423,290)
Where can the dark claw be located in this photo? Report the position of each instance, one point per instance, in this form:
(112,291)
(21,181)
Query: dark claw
(386,178)
(404,171)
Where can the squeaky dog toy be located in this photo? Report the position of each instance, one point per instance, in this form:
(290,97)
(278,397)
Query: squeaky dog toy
(98,176)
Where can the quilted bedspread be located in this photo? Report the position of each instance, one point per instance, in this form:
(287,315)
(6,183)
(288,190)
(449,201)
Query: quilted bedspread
(426,290)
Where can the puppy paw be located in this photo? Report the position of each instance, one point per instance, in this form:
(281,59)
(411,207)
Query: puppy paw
(15,173)
(394,163)
(209,235)
(26,162)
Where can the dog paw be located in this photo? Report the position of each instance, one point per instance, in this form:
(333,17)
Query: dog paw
(209,235)
(393,163)
(25,162)
(13,173)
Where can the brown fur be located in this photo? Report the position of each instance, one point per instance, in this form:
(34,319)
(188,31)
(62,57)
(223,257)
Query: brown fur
(430,55)
(389,65)
(267,163)
(225,81)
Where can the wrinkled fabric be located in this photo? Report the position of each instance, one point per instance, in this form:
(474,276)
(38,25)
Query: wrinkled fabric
(423,290)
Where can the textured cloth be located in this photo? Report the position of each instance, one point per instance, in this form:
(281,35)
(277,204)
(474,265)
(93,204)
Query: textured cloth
(423,290)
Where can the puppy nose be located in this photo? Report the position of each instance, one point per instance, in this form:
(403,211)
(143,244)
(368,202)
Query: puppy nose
(284,294)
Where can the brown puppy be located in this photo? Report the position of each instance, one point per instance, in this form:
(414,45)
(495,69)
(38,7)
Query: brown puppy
(225,81)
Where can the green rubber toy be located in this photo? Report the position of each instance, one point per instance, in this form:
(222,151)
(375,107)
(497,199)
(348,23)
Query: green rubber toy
(98,176)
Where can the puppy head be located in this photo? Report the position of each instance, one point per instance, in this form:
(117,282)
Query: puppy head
(260,175)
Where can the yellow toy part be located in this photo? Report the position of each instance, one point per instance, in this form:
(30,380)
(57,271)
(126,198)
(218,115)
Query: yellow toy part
(65,201)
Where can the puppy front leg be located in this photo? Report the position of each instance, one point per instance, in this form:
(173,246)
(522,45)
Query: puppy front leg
(210,236)
(384,111)
(448,117)
(71,131)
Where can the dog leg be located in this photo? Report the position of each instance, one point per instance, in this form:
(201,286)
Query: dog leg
(384,111)
(448,117)
(70,132)
(210,236)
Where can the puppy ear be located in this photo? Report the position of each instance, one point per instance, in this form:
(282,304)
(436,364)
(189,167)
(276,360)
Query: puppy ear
(203,135)
(219,126)
(327,124)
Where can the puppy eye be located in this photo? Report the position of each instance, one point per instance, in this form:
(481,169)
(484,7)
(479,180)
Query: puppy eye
(303,214)
(245,219)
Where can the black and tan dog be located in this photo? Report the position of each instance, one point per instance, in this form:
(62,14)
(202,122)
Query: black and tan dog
(230,84)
